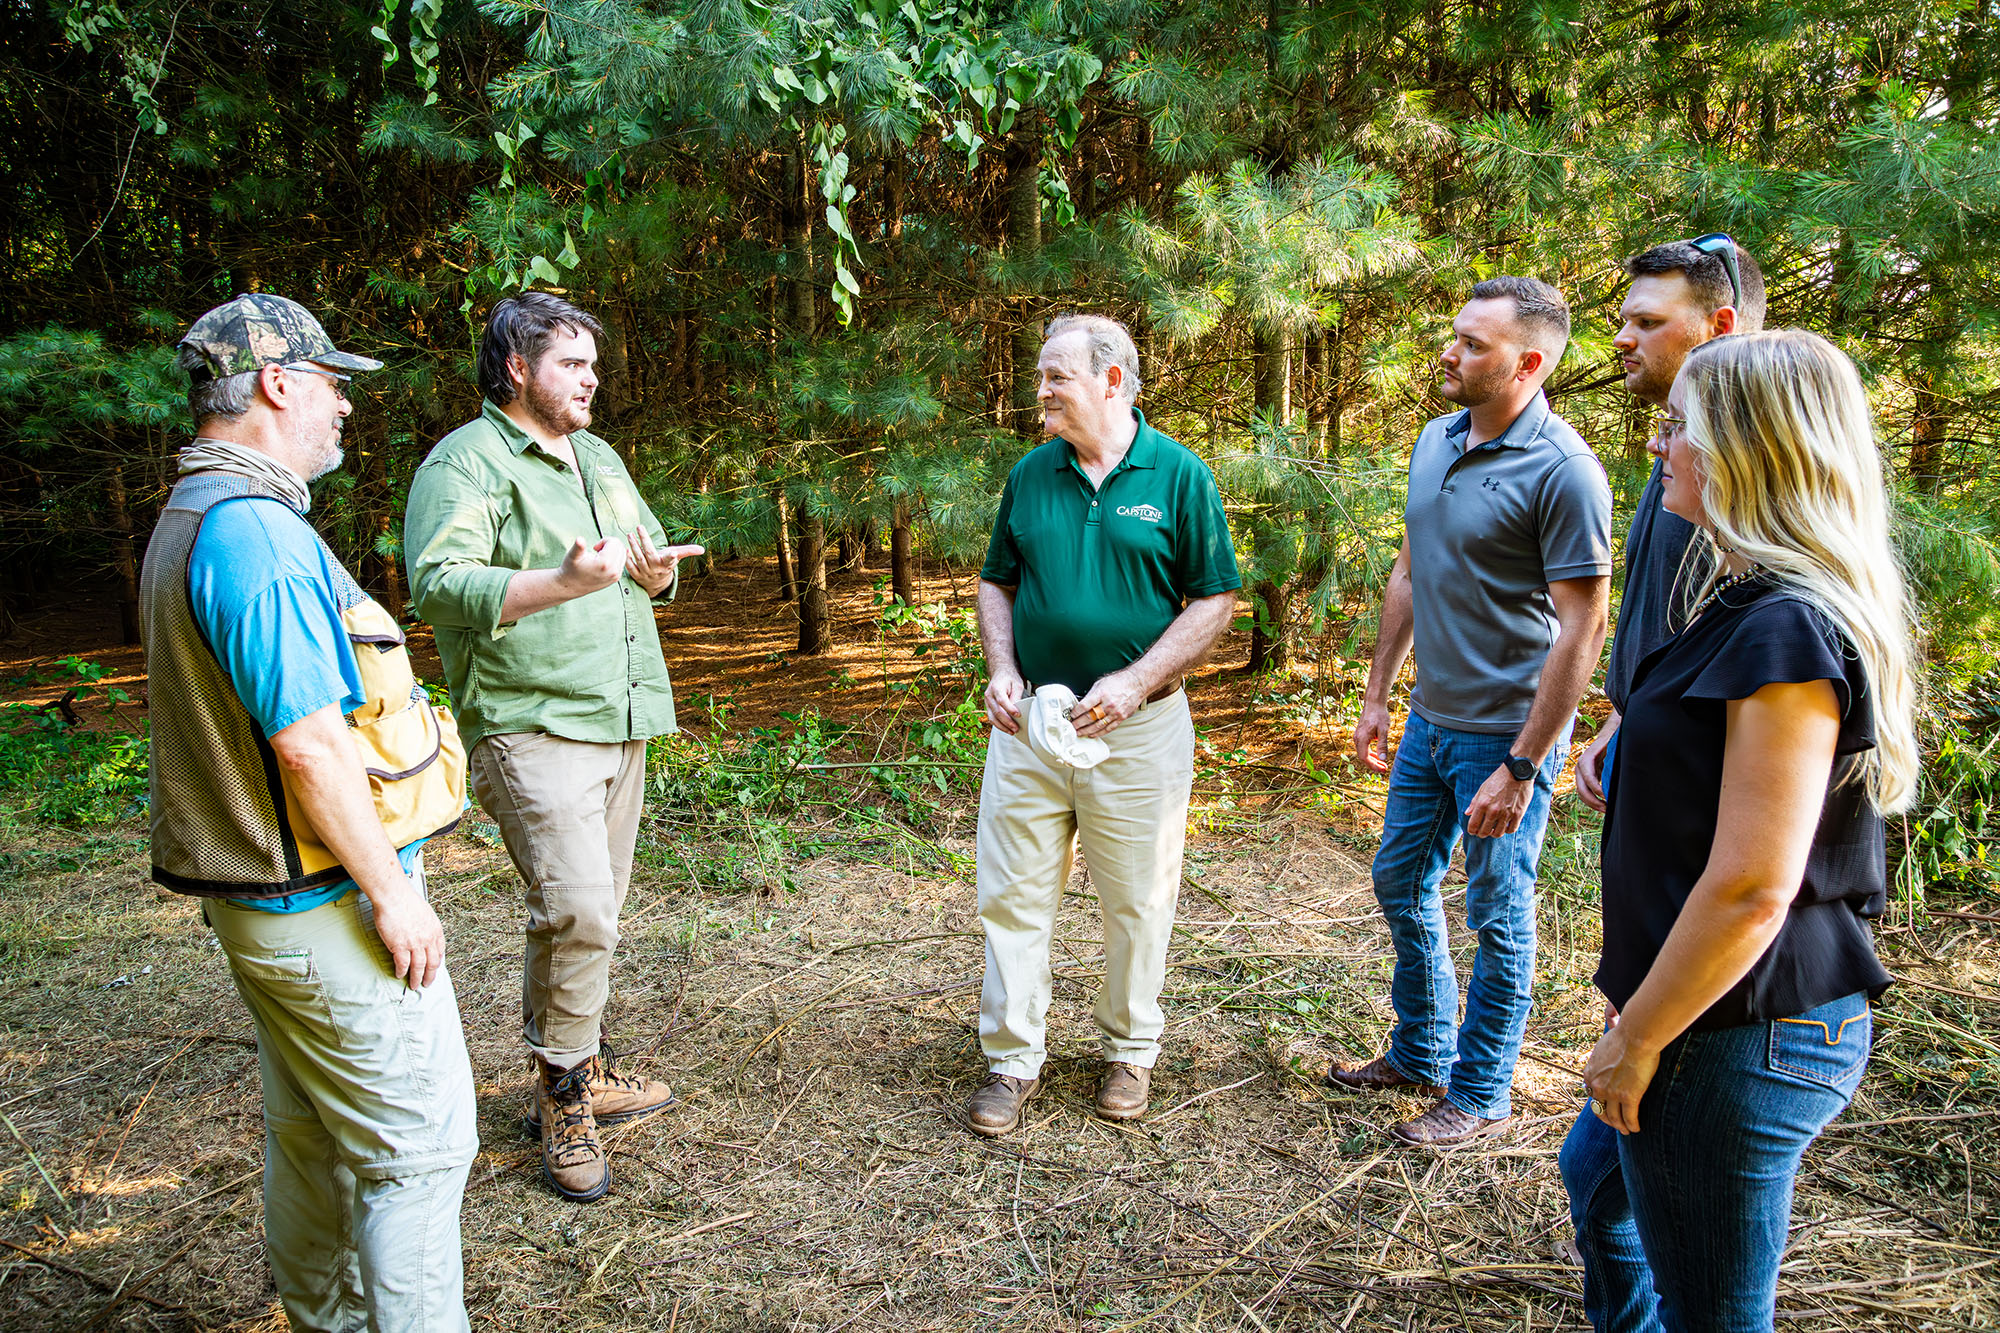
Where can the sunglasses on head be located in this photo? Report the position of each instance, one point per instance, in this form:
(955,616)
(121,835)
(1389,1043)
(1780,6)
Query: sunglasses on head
(1722,244)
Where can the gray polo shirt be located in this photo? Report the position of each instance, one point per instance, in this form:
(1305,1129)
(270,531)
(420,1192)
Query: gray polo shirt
(1489,530)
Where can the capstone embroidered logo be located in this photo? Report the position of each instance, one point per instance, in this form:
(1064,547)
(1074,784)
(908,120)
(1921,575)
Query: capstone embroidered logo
(1147,512)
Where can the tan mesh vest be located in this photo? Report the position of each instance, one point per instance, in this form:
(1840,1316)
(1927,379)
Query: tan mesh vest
(225,821)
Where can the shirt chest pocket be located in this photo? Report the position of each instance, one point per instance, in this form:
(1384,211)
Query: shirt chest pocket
(616,505)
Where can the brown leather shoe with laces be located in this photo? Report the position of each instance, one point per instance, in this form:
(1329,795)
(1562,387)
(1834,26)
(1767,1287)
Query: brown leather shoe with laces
(1122,1093)
(1378,1075)
(614,1097)
(996,1107)
(573,1160)
(1445,1126)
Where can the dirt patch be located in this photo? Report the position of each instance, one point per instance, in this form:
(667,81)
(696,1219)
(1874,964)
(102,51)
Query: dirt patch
(817,1173)
(823,1037)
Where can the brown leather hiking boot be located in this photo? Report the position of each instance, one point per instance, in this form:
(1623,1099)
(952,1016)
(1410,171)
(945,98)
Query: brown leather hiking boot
(614,1097)
(1121,1094)
(996,1107)
(573,1160)
(1378,1075)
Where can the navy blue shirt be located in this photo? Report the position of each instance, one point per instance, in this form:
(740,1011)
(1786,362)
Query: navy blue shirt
(1666,788)
(1658,570)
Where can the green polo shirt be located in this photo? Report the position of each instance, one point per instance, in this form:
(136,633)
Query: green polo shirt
(489,502)
(1100,572)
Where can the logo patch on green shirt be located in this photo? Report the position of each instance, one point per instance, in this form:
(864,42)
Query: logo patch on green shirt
(1146,512)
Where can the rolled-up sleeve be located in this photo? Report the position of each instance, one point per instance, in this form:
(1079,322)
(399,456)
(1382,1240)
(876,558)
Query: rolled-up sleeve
(448,542)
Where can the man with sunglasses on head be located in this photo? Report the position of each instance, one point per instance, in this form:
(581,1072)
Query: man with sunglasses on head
(1683,293)
(281,697)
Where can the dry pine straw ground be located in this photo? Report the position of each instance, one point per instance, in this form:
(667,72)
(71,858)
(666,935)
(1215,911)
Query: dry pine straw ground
(817,1173)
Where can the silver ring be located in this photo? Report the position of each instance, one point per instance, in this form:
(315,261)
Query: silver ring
(1597,1108)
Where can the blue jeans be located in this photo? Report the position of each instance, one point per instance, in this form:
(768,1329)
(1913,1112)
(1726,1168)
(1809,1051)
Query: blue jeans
(1437,773)
(1682,1224)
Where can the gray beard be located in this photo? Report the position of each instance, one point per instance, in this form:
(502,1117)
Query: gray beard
(330,462)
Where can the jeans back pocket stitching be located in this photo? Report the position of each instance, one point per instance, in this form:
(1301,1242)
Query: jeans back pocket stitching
(1815,1077)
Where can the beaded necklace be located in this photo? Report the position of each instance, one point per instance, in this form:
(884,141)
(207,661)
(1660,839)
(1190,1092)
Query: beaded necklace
(1734,580)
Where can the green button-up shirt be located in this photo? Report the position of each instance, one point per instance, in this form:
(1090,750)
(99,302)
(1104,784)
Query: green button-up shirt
(1099,572)
(489,502)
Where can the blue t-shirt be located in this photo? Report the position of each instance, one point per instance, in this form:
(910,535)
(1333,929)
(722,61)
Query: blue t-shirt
(268,594)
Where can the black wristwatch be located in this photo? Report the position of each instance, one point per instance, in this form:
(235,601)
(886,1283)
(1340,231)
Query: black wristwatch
(1522,770)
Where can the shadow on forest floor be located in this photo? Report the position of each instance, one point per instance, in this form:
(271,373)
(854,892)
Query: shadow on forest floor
(817,1173)
(808,981)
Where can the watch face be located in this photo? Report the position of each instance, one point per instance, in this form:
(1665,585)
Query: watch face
(1521,768)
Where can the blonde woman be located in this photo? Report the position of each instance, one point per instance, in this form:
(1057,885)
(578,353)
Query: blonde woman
(1743,848)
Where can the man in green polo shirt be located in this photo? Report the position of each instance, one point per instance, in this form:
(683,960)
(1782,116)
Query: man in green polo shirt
(533,555)
(1109,575)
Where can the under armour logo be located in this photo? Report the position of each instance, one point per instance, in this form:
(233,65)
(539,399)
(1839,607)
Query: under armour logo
(1491,483)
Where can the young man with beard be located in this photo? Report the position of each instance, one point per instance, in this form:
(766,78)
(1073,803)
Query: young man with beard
(1501,584)
(1683,294)
(280,692)
(533,555)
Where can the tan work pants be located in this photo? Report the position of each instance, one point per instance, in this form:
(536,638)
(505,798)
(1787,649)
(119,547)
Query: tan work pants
(1130,813)
(569,813)
(370,1127)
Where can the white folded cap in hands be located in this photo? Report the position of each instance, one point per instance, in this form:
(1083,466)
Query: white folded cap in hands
(1051,735)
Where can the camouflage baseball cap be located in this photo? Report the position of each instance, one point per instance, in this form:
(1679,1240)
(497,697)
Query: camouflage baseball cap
(258,329)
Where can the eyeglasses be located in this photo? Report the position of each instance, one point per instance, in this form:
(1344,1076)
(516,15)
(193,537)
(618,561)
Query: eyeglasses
(1723,244)
(340,381)
(1667,425)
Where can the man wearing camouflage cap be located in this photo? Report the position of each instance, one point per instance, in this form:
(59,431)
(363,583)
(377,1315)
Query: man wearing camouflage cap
(296,771)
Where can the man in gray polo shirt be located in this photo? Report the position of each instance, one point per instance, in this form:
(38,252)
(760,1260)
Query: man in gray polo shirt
(1502,583)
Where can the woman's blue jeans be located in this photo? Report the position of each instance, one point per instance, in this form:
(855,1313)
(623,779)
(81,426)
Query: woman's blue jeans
(1681,1225)
(1437,773)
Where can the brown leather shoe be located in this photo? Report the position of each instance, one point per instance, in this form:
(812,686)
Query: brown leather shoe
(996,1107)
(1121,1094)
(1378,1075)
(1445,1126)
(614,1097)
(573,1160)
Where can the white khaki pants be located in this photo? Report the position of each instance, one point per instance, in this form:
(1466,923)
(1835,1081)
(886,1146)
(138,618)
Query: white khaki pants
(369,1122)
(569,814)
(1130,814)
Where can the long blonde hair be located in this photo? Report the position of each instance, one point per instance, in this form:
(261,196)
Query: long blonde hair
(1791,480)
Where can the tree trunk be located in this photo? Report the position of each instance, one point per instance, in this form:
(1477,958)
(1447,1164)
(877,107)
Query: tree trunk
(788,581)
(815,632)
(1270,647)
(1929,419)
(902,557)
(852,550)
(1271,358)
(123,557)
(1315,389)
(800,315)
(1024,247)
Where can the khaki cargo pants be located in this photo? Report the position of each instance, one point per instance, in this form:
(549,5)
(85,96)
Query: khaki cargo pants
(569,814)
(370,1127)
(1130,815)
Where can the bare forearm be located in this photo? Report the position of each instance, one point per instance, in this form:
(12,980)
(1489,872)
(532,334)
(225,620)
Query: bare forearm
(1722,930)
(996,628)
(332,788)
(532,590)
(1186,641)
(1565,676)
(1393,636)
